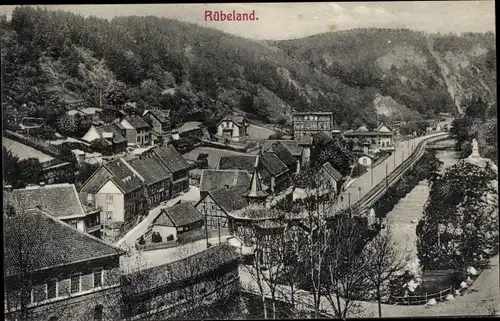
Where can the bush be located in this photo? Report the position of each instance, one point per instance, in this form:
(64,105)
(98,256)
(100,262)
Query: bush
(156,237)
(358,170)
(170,237)
(142,241)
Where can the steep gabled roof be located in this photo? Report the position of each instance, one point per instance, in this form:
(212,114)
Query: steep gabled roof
(161,115)
(283,154)
(112,128)
(237,162)
(126,180)
(230,199)
(59,200)
(238,120)
(53,242)
(213,179)
(178,215)
(272,164)
(332,171)
(151,168)
(292,146)
(137,122)
(171,158)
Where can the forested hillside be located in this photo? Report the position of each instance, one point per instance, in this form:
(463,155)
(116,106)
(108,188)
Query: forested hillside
(201,73)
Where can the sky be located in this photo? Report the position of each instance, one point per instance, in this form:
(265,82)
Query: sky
(278,21)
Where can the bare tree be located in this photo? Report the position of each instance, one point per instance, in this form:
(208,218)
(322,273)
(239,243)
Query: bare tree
(255,269)
(384,262)
(345,266)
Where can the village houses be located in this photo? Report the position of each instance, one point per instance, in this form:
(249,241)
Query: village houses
(178,221)
(126,189)
(61,201)
(60,273)
(381,138)
(111,134)
(137,131)
(159,121)
(233,127)
(310,123)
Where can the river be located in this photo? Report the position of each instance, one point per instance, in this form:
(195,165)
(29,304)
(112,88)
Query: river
(404,217)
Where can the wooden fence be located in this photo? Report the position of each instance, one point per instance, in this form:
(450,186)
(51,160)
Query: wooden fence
(420,299)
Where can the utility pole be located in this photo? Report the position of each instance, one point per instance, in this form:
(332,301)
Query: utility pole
(371,175)
(206,228)
(386,181)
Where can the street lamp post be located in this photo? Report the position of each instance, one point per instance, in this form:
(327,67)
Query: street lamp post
(371,175)
(386,181)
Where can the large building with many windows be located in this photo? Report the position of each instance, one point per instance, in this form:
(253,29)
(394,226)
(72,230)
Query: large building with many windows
(310,123)
(53,271)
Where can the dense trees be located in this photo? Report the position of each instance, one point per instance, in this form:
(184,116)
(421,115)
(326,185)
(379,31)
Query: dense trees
(460,223)
(48,55)
(18,173)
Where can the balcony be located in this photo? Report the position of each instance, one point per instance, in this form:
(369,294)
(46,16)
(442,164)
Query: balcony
(92,229)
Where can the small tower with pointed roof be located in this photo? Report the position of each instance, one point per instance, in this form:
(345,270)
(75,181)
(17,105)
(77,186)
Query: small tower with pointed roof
(255,193)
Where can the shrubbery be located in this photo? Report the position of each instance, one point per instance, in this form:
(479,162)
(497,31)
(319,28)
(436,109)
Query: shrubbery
(460,224)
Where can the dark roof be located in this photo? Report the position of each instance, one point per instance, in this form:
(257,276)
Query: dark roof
(245,162)
(117,135)
(178,215)
(239,120)
(151,168)
(230,199)
(59,200)
(292,146)
(203,262)
(313,113)
(96,181)
(160,114)
(137,122)
(332,171)
(272,163)
(171,158)
(53,242)
(123,176)
(283,154)
(213,179)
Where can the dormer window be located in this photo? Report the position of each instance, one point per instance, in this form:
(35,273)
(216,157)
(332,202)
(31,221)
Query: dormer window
(89,197)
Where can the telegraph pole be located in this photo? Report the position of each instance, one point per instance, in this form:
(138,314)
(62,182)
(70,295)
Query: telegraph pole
(386,181)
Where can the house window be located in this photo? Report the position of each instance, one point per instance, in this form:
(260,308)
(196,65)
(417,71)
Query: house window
(74,223)
(75,283)
(97,278)
(213,207)
(108,214)
(364,161)
(51,289)
(138,139)
(109,199)
(89,197)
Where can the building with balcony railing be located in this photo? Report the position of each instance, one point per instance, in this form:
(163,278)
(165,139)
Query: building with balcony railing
(60,201)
